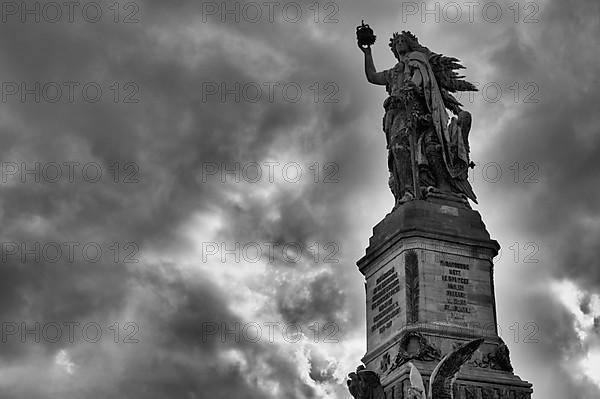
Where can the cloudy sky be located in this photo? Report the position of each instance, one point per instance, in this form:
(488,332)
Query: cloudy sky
(186,187)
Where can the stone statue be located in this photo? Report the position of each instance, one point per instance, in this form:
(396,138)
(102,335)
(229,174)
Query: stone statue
(444,374)
(365,384)
(427,150)
(500,359)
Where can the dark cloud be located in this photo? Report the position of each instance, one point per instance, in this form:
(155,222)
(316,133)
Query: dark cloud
(554,141)
(318,299)
(163,144)
(558,137)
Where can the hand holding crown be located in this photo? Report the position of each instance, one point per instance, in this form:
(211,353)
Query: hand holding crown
(365,36)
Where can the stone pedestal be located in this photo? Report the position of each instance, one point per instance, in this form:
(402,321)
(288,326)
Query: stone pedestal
(430,288)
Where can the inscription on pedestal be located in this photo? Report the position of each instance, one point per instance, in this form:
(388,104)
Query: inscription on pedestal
(384,306)
(429,289)
(461,290)
(456,277)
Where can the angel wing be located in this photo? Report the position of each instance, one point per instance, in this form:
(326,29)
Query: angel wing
(448,80)
(417,389)
(444,374)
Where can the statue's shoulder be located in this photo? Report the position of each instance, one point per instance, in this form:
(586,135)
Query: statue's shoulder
(417,56)
(398,67)
(393,72)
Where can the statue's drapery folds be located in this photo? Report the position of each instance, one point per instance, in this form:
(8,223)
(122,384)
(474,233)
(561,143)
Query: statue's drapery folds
(432,328)
(427,150)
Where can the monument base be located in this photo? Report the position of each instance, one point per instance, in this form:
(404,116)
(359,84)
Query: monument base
(470,384)
(430,289)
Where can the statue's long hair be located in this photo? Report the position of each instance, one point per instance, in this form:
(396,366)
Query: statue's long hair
(443,68)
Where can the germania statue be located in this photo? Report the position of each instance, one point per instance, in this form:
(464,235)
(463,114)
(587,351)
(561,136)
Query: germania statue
(428,152)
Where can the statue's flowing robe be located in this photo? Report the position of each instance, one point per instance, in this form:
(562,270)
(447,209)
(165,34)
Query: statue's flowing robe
(454,151)
(426,101)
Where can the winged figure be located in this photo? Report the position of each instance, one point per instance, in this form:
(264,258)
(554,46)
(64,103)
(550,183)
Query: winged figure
(427,149)
(444,374)
(365,384)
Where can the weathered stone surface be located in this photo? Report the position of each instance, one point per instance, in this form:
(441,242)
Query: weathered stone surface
(428,267)
(427,148)
(468,384)
(429,286)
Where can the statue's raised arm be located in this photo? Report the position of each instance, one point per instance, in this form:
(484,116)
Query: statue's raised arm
(428,153)
(365,40)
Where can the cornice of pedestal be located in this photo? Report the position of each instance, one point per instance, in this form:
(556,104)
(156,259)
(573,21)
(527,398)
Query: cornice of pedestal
(434,329)
(458,226)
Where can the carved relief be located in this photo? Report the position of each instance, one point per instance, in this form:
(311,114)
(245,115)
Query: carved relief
(489,393)
(521,395)
(411,271)
(414,346)
(498,359)
(385,362)
(470,393)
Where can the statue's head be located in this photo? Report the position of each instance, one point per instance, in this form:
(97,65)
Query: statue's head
(403,43)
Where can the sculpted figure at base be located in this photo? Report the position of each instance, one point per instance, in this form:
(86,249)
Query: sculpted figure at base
(427,150)
(365,384)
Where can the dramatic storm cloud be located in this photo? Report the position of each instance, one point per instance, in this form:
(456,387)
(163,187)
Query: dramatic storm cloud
(186,187)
